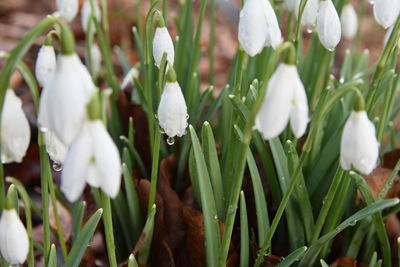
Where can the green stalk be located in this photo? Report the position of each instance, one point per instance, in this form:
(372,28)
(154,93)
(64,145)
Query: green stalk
(239,73)
(109,230)
(298,25)
(211,48)
(154,170)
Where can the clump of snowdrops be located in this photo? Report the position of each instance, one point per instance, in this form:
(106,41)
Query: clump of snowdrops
(315,132)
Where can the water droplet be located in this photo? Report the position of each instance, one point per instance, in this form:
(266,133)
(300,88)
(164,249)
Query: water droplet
(57,166)
(170,141)
(216,217)
(162,131)
(341,80)
(231,209)
(309,30)
(187,116)
(353,223)
(331,49)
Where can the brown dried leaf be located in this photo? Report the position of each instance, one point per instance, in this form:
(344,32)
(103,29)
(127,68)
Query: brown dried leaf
(346,262)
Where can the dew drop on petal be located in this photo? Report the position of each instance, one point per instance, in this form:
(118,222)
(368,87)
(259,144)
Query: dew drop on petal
(170,141)
(162,131)
(57,166)
(187,116)
(309,30)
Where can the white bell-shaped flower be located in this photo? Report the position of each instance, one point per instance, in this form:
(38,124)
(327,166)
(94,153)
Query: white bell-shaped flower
(14,241)
(349,21)
(68,9)
(62,108)
(92,158)
(162,43)
(309,18)
(172,111)
(86,12)
(258,27)
(95,59)
(359,147)
(386,12)
(45,64)
(15,130)
(132,73)
(328,25)
(285,100)
(55,148)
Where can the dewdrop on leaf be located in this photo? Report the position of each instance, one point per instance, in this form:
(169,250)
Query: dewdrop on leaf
(285,100)
(359,147)
(162,43)
(349,21)
(45,64)
(15,130)
(328,25)
(386,12)
(172,111)
(68,9)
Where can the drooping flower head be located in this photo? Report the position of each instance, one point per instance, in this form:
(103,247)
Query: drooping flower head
(349,21)
(328,25)
(258,27)
(386,12)
(45,64)
(162,43)
(309,17)
(15,130)
(85,15)
(68,9)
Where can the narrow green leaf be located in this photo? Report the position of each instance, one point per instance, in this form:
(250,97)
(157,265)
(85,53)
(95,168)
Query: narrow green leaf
(132,261)
(323,263)
(78,212)
(144,252)
(292,257)
(244,233)
(52,257)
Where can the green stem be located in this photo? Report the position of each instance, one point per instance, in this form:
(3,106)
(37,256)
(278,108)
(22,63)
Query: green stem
(298,25)
(239,73)
(109,230)
(154,170)
(211,48)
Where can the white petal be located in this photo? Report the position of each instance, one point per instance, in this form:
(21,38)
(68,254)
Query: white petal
(15,130)
(274,36)
(328,25)
(275,110)
(252,27)
(359,146)
(63,105)
(133,73)
(292,5)
(96,59)
(45,64)
(74,174)
(309,18)
(14,241)
(106,159)
(386,12)
(68,9)
(86,12)
(55,148)
(172,111)
(162,43)
(299,114)
(349,21)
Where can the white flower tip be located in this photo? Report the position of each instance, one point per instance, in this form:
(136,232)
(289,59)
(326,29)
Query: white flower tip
(206,123)
(289,142)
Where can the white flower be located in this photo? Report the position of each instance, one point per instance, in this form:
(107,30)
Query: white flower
(62,108)
(386,12)
(285,99)
(86,12)
(162,43)
(15,130)
(92,158)
(359,146)
(328,25)
(96,59)
(45,64)
(55,148)
(14,241)
(349,21)
(133,73)
(68,9)
(258,27)
(172,111)
(309,18)
(292,5)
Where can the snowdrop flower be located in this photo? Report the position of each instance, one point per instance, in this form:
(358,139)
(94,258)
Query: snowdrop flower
(258,27)
(45,64)
(162,43)
(132,74)
(14,241)
(62,107)
(96,59)
(92,158)
(15,130)
(309,18)
(292,5)
(349,21)
(285,100)
(86,12)
(55,148)
(172,111)
(328,25)
(386,12)
(359,147)
(68,9)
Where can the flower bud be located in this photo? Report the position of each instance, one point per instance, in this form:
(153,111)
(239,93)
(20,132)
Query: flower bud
(86,12)
(68,9)
(285,99)
(309,18)
(359,147)
(15,130)
(95,59)
(328,25)
(162,43)
(45,64)
(349,21)
(14,241)
(386,12)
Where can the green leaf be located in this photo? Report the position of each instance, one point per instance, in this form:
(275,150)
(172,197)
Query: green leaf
(292,257)
(244,233)
(323,263)
(78,212)
(82,240)
(144,252)
(132,261)
(52,257)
